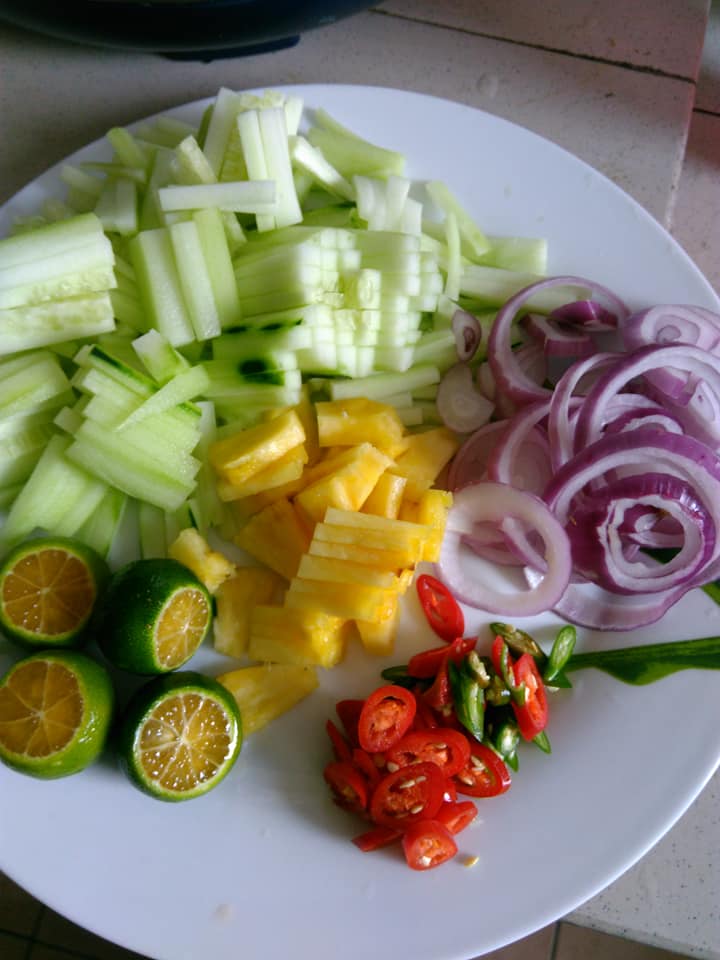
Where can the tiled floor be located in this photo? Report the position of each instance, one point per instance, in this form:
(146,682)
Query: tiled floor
(31,931)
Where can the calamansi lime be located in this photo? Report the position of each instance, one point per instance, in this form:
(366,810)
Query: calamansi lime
(55,713)
(154,615)
(179,735)
(48,589)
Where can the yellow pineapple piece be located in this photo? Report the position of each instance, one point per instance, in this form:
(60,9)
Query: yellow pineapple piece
(386,496)
(265,692)
(276,536)
(303,637)
(285,470)
(346,487)
(378,637)
(370,556)
(313,567)
(192,550)
(408,510)
(356,420)
(243,454)
(405,579)
(426,455)
(350,601)
(378,531)
(432,510)
(235,600)
(305,409)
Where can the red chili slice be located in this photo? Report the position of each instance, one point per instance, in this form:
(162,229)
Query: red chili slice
(485,775)
(449,749)
(376,838)
(427,663)
(348,785)
(440,607)
(425,718)
(348,712)
(407,795)
(427,844)
(386,716)
(439,695)
(496,655)
(341,748)
(457,815)
(532,716)
(367,766)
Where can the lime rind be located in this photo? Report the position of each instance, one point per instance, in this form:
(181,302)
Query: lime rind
(93,731)
(132,605)
(98,574)
(141,707)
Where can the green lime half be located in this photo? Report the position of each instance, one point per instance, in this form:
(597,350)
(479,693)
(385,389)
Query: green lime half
(55,713)
(154,615)
(48,590)
(179,735)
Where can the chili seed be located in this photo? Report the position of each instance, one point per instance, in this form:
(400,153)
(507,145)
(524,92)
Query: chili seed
(392,767)
(418,808)
(406,784)
(421,779)
(476,761)
(425,861)
(468,781)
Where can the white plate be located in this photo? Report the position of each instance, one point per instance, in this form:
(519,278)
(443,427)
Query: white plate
(263,867)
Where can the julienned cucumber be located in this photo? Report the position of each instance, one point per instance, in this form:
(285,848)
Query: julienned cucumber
(198,276)
(640,665)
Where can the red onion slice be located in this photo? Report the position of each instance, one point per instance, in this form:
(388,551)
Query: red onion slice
(557,341)
(468,334)
(494,503)
(592,316)
(461,407)
(509,377)
(598,539)
(522,455)
(561,428)
(470,462)
(682,356)
(671,323)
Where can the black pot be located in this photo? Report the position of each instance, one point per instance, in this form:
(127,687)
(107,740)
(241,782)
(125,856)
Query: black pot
(188,29)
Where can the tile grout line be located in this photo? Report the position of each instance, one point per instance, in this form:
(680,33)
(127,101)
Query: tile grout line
(554,940)
(707,113)
(620,64)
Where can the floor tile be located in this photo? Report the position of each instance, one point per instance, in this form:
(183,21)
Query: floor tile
(56,931)
(12,948)
(666,35)
(696,214)
(631,125)
(672,896)
(19,911)
(708,92)
(535,947)
(574,942)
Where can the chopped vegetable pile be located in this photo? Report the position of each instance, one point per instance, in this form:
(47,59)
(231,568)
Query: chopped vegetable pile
(447,723)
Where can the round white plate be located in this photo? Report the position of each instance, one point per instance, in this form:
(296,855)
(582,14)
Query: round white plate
(263,867)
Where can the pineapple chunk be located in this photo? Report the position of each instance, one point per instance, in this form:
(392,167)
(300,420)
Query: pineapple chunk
(356,420)
(378,637)
(241,455)
(409,549)
(386,496)
(277,537)
(305,410)
(350,601)
(313,567)
(346,487)
(408,511)
(432,510)
(286,469)
(192,550)
(427,454)
(370,556)
(234,603)
(304,637)
(265,692)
